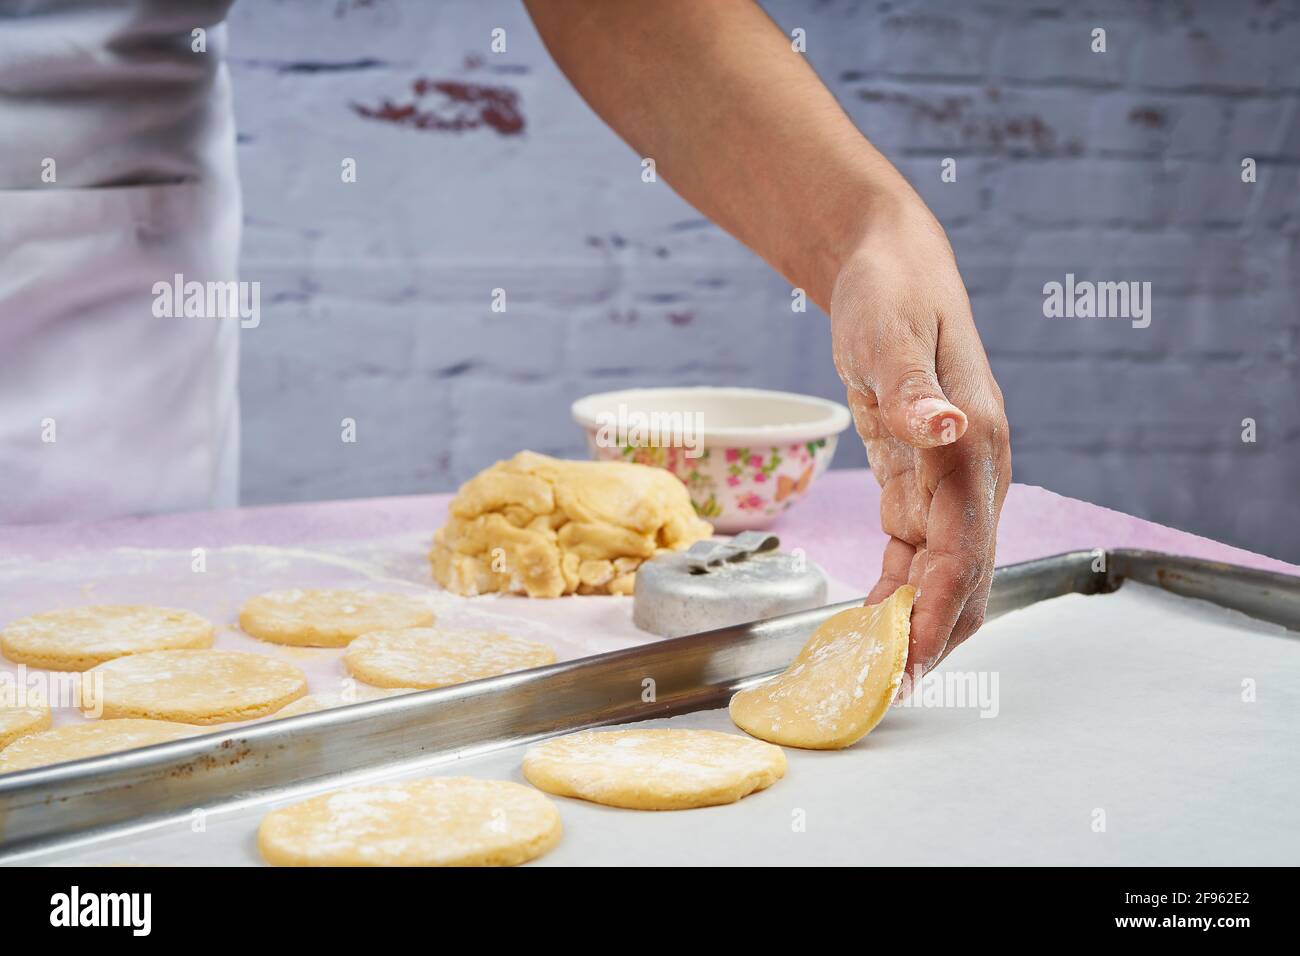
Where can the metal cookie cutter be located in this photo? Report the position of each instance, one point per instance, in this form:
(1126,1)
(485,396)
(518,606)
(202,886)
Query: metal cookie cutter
(718,583)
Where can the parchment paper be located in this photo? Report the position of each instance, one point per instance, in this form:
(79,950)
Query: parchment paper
(1133,728)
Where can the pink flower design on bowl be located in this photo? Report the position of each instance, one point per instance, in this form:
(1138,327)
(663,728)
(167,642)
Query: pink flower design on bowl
(741,475)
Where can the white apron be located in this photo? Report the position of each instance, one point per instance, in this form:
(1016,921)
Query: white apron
(106,409)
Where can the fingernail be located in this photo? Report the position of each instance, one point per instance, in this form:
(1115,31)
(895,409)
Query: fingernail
(935,418)
(904,691)
(926,408)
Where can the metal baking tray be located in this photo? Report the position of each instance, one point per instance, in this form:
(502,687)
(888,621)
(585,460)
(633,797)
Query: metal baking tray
(86,801)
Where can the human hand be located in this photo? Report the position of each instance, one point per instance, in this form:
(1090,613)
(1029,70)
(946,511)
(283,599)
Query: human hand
(931,416)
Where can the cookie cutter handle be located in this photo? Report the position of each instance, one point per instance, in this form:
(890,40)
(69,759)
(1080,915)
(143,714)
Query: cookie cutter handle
(703,556)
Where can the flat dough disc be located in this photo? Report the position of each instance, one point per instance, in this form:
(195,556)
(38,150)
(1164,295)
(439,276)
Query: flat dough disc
(441,821)
(654,769)
(329,618)
(78,638)
(840,685)
(18,722)
(426,657)
(77,741)
(195,687)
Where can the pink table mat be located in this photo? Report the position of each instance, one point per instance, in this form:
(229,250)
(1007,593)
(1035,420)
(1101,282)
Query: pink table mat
(838,526)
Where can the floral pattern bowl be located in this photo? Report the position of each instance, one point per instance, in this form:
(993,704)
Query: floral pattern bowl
(745,454)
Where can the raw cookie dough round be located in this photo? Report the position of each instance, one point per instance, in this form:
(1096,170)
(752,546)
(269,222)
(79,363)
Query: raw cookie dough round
(441,821)
(77,741)
(194,687)
(654,769)
(840,685)
(79,638)
(425,657)
(330,617)
(17,721)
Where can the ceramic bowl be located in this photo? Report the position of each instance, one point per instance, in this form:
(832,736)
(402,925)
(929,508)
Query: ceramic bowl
(746,455)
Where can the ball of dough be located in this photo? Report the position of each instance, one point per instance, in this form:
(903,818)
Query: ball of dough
(329,618)
(840,685)
(424,657)
(16,721)
(654,769)
(442,821)
(545,527)
(193,687)
(78,638)
(78,741)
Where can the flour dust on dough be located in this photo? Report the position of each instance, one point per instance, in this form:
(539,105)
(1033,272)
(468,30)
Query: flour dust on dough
(425,657)
(654,769)
(441,821)
(545,527)
(311,617)
(90,739)
(79,638)
(19,721)
(193,687)
(840,685)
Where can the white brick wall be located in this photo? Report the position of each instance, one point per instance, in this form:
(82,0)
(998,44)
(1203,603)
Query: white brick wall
(1123,165)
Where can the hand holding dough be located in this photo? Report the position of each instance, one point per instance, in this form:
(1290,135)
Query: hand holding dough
(544,527)
(840,685)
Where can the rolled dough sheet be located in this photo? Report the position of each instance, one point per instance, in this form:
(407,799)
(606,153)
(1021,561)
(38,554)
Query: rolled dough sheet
(1130,703)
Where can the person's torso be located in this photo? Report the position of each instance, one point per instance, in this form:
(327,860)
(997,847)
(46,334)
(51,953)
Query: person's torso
(117,172)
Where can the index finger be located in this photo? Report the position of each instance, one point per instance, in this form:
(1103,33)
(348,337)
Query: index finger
(959,550)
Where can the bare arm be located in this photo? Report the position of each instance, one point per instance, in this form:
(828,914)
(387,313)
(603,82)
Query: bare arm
(744,130)
(735,120)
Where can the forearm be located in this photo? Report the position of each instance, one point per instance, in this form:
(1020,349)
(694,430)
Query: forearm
(736,121)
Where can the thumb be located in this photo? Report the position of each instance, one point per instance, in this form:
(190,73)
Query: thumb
(914,407)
